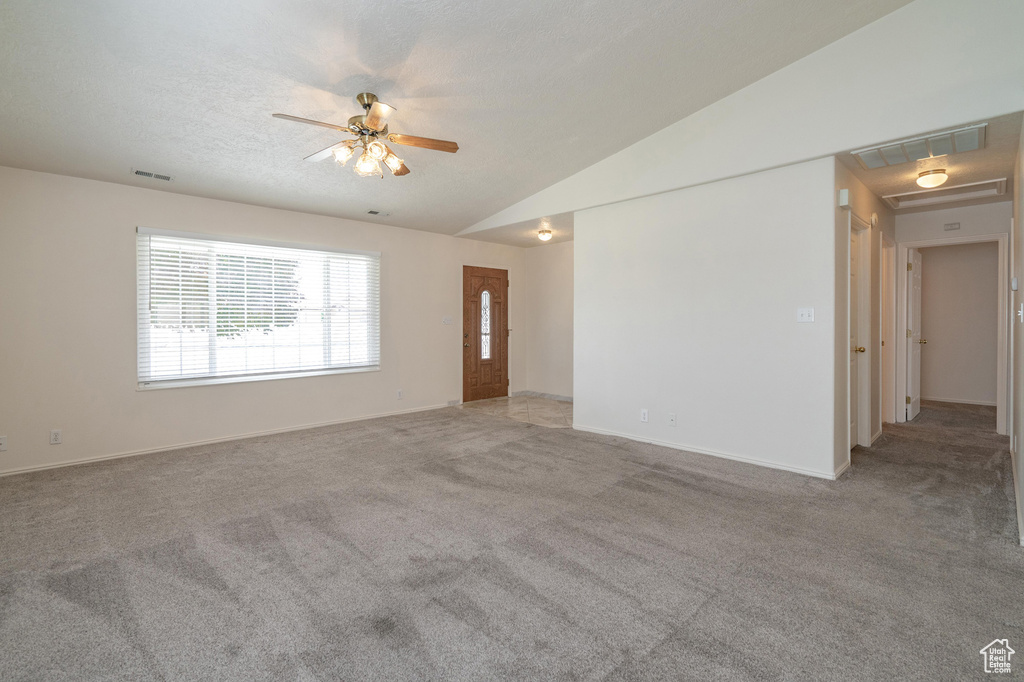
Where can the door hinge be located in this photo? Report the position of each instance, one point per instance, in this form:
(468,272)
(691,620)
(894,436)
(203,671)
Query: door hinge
(908,400)
(910,266)
(910,334)
(883,343)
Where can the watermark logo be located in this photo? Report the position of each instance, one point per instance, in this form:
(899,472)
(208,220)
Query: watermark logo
(997,656)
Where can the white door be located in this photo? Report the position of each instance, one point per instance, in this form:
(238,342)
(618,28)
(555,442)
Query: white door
(914,340)
(854,337)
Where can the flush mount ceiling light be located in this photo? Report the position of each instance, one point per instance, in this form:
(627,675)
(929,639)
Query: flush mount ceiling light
(932,178)
(370,129)
(544,235)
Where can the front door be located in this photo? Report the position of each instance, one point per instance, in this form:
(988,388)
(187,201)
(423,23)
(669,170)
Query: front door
(484,333)
(914,340)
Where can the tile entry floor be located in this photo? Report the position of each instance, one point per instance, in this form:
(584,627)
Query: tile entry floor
(554,414)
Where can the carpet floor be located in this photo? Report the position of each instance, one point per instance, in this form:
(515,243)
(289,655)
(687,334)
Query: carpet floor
(454,545)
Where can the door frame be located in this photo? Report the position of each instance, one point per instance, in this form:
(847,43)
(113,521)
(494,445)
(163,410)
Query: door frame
(1002,313)
(887,309)
(861,228)
(509,305)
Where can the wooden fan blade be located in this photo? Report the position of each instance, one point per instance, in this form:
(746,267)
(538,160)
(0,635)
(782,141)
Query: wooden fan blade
(378,115)
(312,122)
(326,153)
(424,142)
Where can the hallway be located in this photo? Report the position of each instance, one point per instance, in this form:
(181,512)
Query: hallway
(948,460)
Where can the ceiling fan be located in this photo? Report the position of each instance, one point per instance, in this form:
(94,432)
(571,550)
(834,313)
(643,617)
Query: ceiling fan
(370,129)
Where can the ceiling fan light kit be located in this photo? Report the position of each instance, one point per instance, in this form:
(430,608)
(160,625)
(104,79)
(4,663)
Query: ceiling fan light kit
(369,128)
(344,153)
(544,235)
(367,166)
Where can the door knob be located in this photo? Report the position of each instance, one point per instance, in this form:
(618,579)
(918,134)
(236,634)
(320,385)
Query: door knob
(860,349)
(923,341)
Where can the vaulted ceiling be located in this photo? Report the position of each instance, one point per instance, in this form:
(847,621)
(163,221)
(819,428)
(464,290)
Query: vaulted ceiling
(533,91)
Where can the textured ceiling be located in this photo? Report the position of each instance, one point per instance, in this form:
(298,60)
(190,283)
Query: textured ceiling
(995,160)
(533,91)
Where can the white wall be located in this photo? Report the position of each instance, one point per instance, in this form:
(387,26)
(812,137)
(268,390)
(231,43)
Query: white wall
(68,335)
(549,299)
(686,302)
(869,87)
(958,319)
(982,219)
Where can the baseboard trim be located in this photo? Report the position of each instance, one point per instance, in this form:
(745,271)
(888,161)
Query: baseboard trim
(190,444)
(714,453)
(841,470)
(876,437)
(536,394)
(986,403)
(1016,498)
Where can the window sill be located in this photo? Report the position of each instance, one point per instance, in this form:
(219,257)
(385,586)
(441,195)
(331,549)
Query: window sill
(206,381)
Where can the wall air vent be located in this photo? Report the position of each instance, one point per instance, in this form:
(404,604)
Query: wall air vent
(945,195)
(147,174)
(937,144)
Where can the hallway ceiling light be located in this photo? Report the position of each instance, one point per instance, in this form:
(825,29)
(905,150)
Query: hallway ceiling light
(544,235)
(932,178)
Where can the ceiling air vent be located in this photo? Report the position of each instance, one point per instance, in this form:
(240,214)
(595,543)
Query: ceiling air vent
(147,174)
(380,213)
(937,144)
(944,195)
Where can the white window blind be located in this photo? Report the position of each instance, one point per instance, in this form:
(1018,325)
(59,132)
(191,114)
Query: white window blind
(212,310)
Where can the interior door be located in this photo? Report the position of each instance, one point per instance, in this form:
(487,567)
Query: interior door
(484,333)
(854,337)
(914,340)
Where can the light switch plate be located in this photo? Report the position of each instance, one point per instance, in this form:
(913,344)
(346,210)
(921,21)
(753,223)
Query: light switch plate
(805,314)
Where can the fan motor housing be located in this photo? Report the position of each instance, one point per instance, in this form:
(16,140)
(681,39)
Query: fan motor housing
(358,124)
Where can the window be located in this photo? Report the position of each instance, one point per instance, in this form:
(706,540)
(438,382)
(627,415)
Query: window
(213,311)
(485,325)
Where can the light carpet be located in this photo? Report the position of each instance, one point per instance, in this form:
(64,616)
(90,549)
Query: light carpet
(458,545)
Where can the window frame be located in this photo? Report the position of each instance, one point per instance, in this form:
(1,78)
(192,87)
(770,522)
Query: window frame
(159,384)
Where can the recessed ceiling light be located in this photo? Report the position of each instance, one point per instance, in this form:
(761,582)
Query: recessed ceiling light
(932,178)
(544,235)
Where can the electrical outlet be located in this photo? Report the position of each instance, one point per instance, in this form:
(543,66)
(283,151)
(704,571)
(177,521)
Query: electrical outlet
(643,415)
(3,443)
(672,419)
(55,437)
(399,394)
